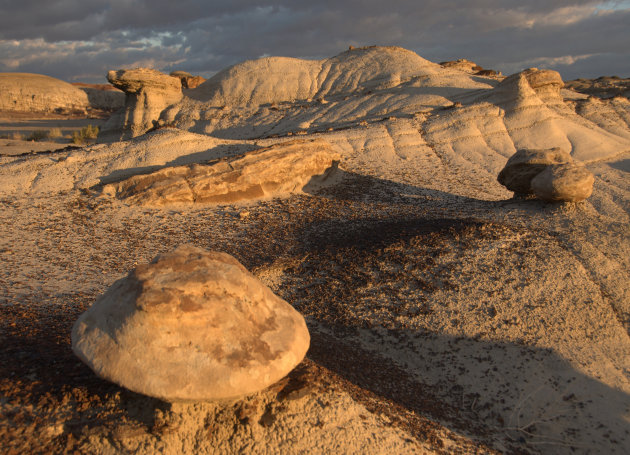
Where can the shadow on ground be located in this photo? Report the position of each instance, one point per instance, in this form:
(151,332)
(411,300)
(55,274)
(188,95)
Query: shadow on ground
(518,397)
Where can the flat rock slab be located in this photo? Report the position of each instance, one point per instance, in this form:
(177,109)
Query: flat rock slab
(280,169)
(191,325)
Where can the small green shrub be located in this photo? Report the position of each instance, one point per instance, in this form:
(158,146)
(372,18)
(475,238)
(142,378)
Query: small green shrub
(55,133)
(38,135)
(87,134)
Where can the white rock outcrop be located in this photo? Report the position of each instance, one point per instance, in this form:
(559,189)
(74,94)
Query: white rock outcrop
(191,325)
(276,170)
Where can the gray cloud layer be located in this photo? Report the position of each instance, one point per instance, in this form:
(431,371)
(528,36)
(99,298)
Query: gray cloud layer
(81,39)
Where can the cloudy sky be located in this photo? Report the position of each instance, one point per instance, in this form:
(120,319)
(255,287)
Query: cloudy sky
(80,40)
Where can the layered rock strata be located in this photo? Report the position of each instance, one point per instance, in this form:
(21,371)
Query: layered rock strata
(276,170)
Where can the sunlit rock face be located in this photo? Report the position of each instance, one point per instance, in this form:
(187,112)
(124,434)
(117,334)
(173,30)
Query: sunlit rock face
(277,170)
(563,183)
(27,92)
(191,325)
(526,164)
(148,93)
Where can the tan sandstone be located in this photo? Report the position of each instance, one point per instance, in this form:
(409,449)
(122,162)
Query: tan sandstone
(526,164)
(148,93)
(279,169)
(191,325)
(27,92)
(188,80)
(544,82)
(569,182)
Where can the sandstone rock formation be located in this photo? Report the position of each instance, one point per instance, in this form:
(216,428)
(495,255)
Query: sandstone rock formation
(191,325)
(148,93)
(401,95)
(462,64)
(544,82)
(276,170)
(278,79)
(38,93)
(569,182)
(526,164)
(188,80)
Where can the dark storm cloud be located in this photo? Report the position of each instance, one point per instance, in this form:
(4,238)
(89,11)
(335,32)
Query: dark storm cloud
(83,39)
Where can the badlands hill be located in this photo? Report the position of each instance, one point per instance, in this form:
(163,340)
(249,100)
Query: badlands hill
(446,314)
(38,93)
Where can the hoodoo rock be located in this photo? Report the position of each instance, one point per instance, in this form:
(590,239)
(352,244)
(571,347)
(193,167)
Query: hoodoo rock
(38,93)
(191,325)
(526,164)
(188,80)
(148,93)
(280,169)
(563,183)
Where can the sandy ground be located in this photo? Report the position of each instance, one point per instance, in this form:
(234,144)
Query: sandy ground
(440,323)
(446,315)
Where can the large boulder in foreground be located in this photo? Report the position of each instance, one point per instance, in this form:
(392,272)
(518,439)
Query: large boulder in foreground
(148,92)
(191,325)
(563,183)
(27,92)
(526,164)
(277,170)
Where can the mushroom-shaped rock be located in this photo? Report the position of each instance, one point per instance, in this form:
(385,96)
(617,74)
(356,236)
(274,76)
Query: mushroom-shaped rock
(148,93)
(570,182)
(276,170)
(191,325)
(526,164)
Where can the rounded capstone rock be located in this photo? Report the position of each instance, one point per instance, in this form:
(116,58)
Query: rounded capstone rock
(563,183)
(191,325)
(526,164)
